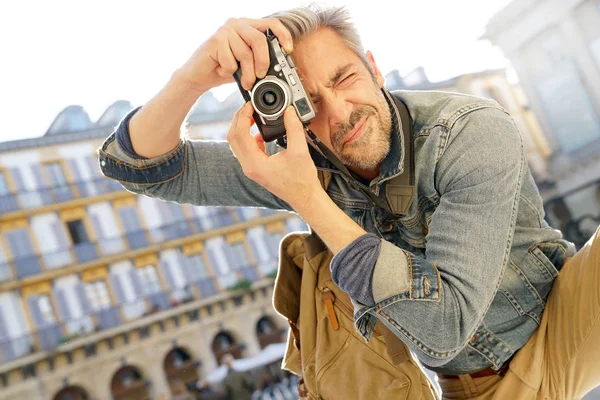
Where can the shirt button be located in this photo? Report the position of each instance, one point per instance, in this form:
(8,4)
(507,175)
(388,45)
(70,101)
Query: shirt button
(103,163)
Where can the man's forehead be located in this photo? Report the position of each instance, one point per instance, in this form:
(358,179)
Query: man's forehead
(320,56)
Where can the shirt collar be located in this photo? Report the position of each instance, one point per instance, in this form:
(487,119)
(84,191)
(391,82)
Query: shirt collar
(393,163)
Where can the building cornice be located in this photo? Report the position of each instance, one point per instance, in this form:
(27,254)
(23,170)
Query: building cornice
(225,298)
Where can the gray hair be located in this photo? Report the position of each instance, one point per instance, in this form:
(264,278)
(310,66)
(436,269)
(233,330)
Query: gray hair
(303,21)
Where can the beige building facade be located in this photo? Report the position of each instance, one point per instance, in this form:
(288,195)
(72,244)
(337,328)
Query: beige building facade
(492,84)
(105,294)
(554,47)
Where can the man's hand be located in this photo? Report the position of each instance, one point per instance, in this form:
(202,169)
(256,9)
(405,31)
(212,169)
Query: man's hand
(243,40)
(155,129)
(291,174)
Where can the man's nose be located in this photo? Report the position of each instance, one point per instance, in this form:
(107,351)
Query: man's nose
(339,111)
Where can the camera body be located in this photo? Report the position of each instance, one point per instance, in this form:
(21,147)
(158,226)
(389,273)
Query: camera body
(272,94)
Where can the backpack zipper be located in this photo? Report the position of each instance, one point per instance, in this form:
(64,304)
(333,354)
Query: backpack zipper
(343,306)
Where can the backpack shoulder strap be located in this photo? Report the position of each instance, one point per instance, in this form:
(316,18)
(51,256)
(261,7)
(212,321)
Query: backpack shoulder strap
(400,191)
(324,178)
(397,350)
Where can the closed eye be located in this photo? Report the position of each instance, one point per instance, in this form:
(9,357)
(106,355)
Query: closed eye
(346,79)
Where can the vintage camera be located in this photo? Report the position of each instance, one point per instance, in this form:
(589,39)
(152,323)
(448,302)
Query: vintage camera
(272,94)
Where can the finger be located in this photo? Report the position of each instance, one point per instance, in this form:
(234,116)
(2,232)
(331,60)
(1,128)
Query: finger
(233,124)
(236,116)
(243,53)
(260,49)
(294,130)
(227,62)
(279,30)
(241,140)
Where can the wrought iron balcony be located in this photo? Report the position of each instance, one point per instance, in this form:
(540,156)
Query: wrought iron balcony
(34,264)
(26,200)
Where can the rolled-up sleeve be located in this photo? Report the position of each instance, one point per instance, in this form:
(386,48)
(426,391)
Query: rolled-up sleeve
(197,172)
(435,303)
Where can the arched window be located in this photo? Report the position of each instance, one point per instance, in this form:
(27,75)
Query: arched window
(180,368)
(72,393)
(267,332)
(224,343)
(128,383)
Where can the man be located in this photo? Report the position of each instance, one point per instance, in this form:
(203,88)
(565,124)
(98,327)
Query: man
(463,278)
(235,384)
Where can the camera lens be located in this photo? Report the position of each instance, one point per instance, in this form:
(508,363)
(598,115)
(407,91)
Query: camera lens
(270,98)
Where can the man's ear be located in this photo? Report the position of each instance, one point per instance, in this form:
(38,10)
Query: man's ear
(378,76)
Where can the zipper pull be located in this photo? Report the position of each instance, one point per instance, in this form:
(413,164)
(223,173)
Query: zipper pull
(329,299)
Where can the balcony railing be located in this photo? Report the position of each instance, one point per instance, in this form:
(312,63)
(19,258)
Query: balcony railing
(52,335)
(27,266)
(31,265)
(26,200)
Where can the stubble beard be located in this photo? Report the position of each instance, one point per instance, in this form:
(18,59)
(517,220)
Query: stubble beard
(374,145)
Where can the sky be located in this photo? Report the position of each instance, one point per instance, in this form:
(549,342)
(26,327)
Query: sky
(92,53)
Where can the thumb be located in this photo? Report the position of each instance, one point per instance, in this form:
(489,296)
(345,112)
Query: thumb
(294,129)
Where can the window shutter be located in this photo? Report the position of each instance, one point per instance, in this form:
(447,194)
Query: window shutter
(39,176)
(163,210)
(130,219)
(273,241)
(43,187)
(176,212)
(96,225)
(19,243)
(61,303)
(255,248)
(186,267)
(83,298)
(60,234)
(74,168)
(165,267)
(117,288)
(212,257)
(17,179)
(135,282)
(3,330)
(231,257)
(36,313)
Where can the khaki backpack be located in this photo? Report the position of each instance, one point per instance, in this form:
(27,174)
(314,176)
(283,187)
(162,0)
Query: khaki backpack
(324,349)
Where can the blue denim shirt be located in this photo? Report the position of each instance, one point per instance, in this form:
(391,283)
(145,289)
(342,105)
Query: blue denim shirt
(463,277)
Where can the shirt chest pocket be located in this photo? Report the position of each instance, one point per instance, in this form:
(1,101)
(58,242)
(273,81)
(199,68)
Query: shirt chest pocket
(356,209)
